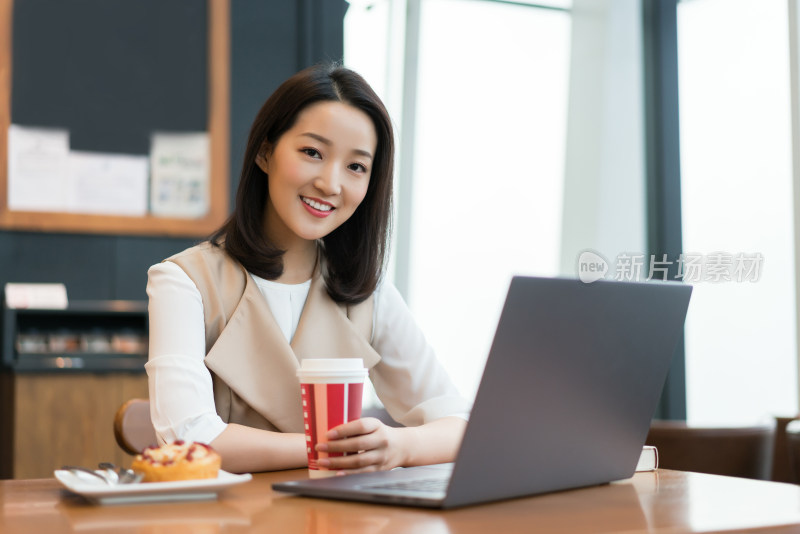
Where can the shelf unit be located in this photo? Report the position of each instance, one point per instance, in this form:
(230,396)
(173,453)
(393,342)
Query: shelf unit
(79,318)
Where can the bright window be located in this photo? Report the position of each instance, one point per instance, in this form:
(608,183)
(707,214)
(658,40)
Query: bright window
(488,172)
(489,143)
(737,198)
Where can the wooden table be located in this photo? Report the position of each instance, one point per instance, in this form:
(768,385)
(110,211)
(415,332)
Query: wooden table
(663,501)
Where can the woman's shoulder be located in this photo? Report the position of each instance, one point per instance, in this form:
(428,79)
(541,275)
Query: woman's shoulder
(205,256)
(166,277)
(187,261)
(387,300)
(200,249)
(387,290)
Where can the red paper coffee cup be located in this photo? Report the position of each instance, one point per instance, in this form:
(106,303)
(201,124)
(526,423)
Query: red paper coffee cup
(332,390)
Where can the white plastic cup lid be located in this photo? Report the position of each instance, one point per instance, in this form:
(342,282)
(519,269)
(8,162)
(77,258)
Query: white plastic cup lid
(332,370)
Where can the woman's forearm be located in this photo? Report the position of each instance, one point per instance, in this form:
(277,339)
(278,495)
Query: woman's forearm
(433,443)
(244,450)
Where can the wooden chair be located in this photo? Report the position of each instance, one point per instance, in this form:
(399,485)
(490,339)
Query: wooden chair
(793,446)
(133,429)
(734,451)
(782,463)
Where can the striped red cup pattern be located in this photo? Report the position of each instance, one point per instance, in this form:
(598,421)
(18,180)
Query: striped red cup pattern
(332,391)
(324,407)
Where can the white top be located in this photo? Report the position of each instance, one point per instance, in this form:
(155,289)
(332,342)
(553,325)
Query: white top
(411,380)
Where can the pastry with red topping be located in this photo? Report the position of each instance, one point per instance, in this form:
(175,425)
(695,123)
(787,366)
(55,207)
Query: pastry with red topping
(177,461)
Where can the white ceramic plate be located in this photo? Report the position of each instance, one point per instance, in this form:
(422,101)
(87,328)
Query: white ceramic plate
(184,490)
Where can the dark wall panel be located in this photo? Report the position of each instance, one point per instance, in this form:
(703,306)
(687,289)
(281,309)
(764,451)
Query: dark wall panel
(331,36)
(263,54)
(123,69)
(270,42)
(84,263)
(133,256)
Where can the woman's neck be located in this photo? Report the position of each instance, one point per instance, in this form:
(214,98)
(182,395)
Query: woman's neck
(299,263)
(300,255)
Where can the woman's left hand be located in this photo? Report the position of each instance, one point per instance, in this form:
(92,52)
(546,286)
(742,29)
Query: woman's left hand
(370,444)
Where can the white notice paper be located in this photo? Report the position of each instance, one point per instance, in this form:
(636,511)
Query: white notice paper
(38,176)
(44,175)
(113,184)
(179,184)
(42,296)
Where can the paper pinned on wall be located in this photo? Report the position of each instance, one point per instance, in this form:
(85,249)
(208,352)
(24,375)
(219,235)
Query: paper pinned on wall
(179,174)
(38,173)
(114,184)
(44,175)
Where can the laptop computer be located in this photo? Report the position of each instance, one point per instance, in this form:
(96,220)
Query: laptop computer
(570,385)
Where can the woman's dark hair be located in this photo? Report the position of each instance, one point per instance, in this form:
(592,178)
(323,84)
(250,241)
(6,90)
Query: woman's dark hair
(356,251)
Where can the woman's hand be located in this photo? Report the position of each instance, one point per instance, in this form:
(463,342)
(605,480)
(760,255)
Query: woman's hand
(372,446)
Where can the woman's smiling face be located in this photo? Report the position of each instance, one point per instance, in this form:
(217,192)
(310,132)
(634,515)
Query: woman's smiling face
(318,172)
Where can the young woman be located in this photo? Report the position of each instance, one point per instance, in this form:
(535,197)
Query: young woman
(295,273)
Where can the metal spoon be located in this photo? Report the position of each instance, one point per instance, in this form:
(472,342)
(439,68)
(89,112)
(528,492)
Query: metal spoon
(77,469)
(120,474)
(129,476)
(110,471)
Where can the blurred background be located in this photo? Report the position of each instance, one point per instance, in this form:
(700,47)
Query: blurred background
(528,133)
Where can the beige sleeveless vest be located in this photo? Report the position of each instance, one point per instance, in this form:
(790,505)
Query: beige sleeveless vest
(252,365)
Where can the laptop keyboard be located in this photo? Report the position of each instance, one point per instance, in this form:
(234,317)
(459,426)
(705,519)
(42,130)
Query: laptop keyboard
(426,485)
